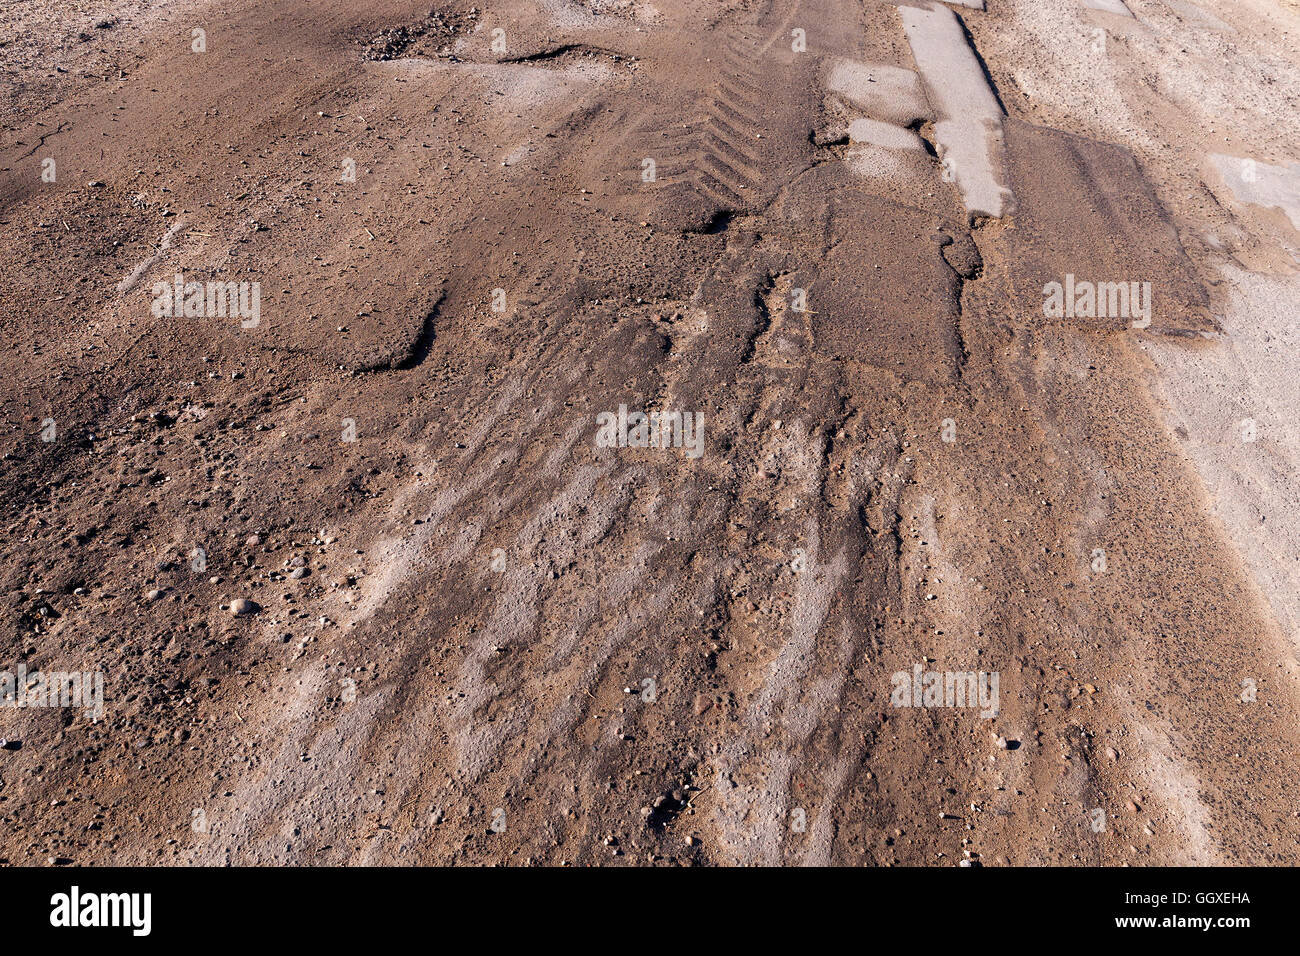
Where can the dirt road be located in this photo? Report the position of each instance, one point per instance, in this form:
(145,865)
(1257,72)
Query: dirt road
(623,430)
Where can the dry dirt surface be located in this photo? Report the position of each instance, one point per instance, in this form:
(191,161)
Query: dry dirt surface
(329,333)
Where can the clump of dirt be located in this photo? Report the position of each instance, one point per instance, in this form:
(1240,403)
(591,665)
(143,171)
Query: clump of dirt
(618,8)
(431,37)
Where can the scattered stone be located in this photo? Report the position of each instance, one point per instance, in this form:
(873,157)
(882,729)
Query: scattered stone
(242,607)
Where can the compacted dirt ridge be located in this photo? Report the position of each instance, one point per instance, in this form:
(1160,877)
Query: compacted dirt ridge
(367,582)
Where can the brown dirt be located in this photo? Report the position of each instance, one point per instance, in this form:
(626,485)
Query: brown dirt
(512,645)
